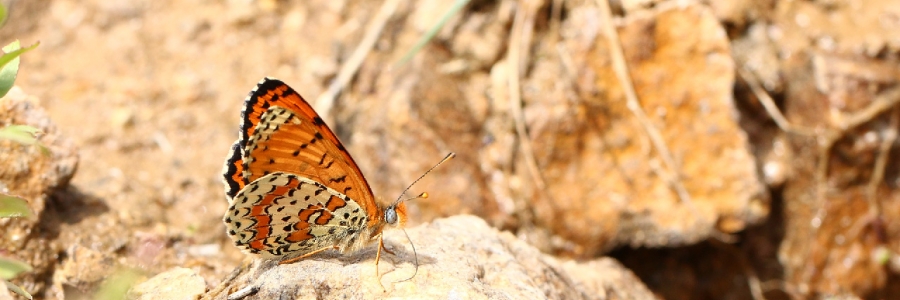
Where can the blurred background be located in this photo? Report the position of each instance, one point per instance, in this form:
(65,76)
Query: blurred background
(718,149)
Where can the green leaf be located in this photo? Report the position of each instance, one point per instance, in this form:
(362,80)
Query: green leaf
(11,207)
(3,14)
(882,255)
(23,134)
(459,4)
(9,268)
(9,65)
(118,284)
(16,289)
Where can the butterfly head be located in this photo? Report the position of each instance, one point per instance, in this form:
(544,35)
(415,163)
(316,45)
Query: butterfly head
(395,214)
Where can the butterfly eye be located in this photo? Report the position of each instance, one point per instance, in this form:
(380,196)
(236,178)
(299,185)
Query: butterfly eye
(390,215)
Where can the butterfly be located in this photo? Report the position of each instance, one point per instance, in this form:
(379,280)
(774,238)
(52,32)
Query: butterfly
(293,188)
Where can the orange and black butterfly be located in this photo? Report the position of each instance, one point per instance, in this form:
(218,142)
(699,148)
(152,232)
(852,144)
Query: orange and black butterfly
(292,187)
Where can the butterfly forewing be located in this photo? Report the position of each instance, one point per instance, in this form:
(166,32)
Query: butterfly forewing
(308,142)
(234,170)
(287,142)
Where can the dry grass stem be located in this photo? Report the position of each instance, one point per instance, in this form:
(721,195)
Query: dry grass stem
(520,39)
(621,69)
(325,101)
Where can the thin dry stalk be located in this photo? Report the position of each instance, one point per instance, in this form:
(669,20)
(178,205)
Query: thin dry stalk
(214,293)
(884,101)
(520,39)
(770,106)
(326,100)
(569,71)
(889,136)
(621,69)
(826,140)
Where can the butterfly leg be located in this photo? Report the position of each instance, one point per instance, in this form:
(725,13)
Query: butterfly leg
(287,261)
(378,258)
(378,254)
(381,244)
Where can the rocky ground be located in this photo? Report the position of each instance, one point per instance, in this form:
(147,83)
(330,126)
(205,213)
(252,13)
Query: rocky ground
(670,149)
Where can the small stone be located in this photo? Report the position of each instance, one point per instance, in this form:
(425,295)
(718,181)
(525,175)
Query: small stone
(177,283)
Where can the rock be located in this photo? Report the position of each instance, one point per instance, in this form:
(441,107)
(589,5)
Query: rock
(458,257)
(599,182)
(84,267)
(5,293)
(835,203)
(29,173)
(606,277)
(33,175)
(177,283)
(607,184)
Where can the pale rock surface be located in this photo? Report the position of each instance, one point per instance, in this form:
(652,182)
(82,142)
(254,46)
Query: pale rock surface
(460,257)
(177,283)
(4,293)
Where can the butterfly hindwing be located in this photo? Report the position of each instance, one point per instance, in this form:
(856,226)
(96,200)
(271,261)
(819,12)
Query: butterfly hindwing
(282,214)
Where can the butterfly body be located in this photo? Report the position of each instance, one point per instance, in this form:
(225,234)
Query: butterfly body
(293,188)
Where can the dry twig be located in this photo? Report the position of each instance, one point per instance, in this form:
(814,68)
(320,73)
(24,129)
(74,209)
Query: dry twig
(826,140)
(326,100)
(770,106)
(520,39)
(227,281)
(889,136)
(621,69)
(882,103)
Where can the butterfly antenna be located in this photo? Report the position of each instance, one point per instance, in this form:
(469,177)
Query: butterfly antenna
(423,195)
(415,255)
